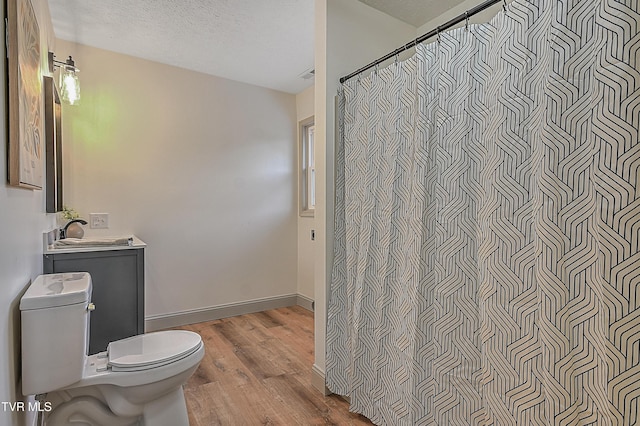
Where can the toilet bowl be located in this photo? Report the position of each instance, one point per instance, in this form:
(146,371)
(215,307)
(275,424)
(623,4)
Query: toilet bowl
(137,381)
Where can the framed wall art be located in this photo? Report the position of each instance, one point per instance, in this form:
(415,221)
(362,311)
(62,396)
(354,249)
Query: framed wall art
(25,168)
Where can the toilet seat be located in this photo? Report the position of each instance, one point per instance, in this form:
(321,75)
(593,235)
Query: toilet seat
(152,350)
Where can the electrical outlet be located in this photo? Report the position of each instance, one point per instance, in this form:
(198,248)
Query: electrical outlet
(99,220)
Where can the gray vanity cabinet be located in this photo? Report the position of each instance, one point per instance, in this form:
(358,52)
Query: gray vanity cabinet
(118,291)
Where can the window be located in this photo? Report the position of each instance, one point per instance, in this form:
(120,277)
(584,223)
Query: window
(308,168)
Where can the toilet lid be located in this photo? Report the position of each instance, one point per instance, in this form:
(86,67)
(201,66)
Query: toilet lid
(151,350)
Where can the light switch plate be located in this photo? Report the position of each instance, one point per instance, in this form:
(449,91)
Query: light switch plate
(99,220)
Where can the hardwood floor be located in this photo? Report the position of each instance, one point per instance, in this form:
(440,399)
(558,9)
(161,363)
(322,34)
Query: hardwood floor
(257,371)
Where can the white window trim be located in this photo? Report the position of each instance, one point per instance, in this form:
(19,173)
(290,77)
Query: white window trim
(305,180)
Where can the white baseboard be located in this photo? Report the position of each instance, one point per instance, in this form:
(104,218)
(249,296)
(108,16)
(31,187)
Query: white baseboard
(177,319)
(318,380)
(305,302)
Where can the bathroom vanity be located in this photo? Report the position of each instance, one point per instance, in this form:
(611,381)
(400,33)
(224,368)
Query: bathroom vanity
(117,273)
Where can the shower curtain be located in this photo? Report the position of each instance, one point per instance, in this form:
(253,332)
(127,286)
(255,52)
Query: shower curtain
(487,265)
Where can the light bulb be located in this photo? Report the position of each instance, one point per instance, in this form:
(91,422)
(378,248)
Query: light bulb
(70,87)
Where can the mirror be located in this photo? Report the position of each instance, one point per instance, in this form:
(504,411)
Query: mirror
(53,146)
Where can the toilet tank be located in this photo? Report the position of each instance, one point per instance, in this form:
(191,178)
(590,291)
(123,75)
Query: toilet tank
(55,331)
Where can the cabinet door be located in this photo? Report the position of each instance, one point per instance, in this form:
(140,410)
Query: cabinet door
(117,292)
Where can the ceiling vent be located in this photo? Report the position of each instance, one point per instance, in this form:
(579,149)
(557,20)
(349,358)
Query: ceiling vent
(307,75)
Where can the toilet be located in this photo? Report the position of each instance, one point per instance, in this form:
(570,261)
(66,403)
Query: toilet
(137,381)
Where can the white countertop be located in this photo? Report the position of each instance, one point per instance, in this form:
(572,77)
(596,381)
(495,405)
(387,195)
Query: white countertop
(137,243)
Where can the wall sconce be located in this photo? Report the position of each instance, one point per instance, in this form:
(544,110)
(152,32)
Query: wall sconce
(69,83)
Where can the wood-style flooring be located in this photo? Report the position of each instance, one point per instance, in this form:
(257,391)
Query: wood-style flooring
(257,371)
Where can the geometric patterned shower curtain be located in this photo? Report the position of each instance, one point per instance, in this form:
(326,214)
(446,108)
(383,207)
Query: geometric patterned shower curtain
(487,262)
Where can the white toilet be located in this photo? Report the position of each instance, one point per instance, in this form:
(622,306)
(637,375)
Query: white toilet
(138,381)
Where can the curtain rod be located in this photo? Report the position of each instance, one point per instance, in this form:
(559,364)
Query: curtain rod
(460,18)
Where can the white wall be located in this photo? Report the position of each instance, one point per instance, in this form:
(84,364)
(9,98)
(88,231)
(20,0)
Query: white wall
(305,109)
(201,168)
(22,222)
(348,34)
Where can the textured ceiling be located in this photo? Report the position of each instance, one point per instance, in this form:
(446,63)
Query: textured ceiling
(266,43)
(414,12)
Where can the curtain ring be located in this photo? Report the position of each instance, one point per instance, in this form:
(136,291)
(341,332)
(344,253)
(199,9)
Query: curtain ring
(504,5)
(438,34)
(466,18)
